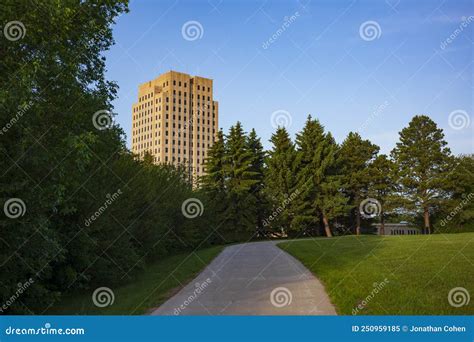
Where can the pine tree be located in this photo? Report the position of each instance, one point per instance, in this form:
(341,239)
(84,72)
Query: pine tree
(240,178)
(280,181)
(382,185)
(458,213)
(308,163)
(257,167)
(213,183)
(214,179)
(356,156)
(330,200)
(316,178)
(422,160)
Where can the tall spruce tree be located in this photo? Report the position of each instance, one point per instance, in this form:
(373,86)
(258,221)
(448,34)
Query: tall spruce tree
(309,144)
(423,161)
(213,183)
(356,156)
(330,200)
(280,180)
(214,179)
(316,182)
(257,167)
(240,178)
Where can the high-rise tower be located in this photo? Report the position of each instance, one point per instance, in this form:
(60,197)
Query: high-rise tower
(175,120)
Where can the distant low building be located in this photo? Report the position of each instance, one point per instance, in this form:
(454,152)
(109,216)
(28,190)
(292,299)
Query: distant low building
(402,228)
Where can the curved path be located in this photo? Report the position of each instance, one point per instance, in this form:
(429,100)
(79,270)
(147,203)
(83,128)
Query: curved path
(256,278)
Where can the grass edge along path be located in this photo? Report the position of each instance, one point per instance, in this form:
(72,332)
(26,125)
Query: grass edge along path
(150,288)
(393,275)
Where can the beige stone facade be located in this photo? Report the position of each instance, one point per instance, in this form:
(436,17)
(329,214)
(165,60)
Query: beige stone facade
(175,120)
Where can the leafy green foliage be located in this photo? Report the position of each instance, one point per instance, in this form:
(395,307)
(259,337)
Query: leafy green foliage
(94,214)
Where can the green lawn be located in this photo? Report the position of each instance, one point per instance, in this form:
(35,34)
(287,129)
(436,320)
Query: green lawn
(150,288)
(420,272)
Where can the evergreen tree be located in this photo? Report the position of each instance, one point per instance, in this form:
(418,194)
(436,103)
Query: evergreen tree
(213,183)
(382,185)
(280,180)
(422,159)
(240,178)
(317,181)
(458,213)
(330,199)
(309,142)
(214,179)
(257,168)
(356,156)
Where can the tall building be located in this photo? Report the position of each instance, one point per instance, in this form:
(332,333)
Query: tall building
(175,120)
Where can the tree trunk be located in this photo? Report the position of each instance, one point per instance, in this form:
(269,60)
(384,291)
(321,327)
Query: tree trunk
(326,226)
(382,222)
(426,216)
(357,222)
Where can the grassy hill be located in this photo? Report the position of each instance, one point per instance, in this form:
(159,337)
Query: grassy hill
(393,275)
(153,286)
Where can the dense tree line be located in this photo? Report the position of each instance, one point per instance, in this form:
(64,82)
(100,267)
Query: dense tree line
(78,209)
(314,186)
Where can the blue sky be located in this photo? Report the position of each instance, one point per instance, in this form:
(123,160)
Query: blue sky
(322,62)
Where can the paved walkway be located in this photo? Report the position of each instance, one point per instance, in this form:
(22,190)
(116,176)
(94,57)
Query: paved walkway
(255,278)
